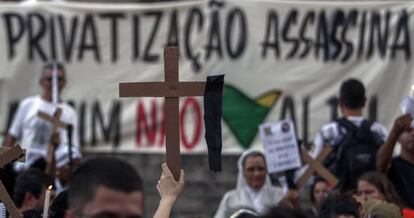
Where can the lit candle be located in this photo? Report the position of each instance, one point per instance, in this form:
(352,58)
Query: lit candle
(47,202)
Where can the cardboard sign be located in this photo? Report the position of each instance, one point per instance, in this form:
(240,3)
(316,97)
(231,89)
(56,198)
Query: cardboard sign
(280,145)
(8,155)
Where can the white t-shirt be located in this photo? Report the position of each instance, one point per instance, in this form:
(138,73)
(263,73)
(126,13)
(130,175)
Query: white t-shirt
(331,133)
(34,133)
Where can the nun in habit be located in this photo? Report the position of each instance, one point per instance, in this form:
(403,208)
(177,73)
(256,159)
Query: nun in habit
(254,191)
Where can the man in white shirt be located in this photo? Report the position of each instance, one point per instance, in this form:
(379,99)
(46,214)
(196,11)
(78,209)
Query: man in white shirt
(35,133)
(352,101)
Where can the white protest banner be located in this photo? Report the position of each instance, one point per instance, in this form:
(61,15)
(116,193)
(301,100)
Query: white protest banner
(280,146)
(282,59)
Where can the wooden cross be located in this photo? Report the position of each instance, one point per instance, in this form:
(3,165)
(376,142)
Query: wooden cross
(171,89)
(315,165)
(56,123)
(55,120)
(11,154)
(6,157)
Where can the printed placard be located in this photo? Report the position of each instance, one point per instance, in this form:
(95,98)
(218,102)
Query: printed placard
(280,145)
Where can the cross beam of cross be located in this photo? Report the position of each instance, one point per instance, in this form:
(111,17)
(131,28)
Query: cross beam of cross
(171,89)
(55,120)
(315,165)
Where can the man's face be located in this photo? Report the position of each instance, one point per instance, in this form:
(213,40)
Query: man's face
(46,80)
(407,140)
(109,203)
(255,172)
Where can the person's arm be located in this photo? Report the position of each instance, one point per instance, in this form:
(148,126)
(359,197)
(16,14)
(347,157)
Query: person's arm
(291,199)
(15,130)
(318,145)
(169,189)
(384,154)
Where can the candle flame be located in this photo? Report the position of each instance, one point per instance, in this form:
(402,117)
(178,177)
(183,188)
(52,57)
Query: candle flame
(412,87)
(50,187)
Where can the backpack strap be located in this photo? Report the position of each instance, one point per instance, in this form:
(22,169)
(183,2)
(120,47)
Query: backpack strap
(366,124)
(348,125)
(370,136)
(351,129)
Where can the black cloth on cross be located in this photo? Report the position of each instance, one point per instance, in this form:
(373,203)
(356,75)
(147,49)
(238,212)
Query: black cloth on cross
(212,119)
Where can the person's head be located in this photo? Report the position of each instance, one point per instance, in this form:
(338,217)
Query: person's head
(376,185)
(30,188)
(351,96)
(406,140)
(339,206)
(285,212)
(105,187)
(45,80)
(33,213)
(253,165)
(318,191)
(59,205)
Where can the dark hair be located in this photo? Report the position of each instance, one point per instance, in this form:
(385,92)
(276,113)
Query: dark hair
(33,213)
(32,181)
(285,212)
(352,94)
(39,164)
(339,204)
(59,205)
(312,188)
(252,154)
(111,173)
(51,65)
(381,182)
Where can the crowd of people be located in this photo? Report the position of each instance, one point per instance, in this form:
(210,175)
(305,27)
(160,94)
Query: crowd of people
(372,182)
(102,187)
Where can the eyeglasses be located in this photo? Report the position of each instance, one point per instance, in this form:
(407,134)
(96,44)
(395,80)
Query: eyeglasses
(49,78)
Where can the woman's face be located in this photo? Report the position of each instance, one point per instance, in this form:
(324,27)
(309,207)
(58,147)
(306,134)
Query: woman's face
(255,172)
(319,192)
(367,190)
